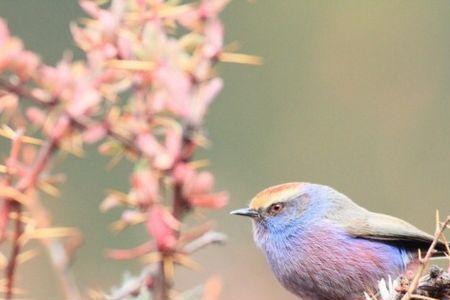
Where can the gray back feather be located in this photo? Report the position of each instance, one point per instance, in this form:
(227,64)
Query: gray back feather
(360,222)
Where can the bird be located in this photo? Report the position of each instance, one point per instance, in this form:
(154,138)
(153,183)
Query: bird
(321,245)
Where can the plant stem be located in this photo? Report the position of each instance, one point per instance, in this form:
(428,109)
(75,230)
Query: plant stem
(10,270)
(161,285)
(180,207)
(424,262)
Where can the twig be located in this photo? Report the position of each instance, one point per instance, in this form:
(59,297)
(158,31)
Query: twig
(180,205)
(414,296)
(23,185)
(179,208)
(60,261)
(58,255)
(425,261)
(133,284)
(160,290)
(22,92)
(12,263)
(208,238)
(56,250)
(131,253)
(83,123)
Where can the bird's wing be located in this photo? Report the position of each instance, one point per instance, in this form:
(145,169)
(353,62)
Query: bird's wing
(377,226)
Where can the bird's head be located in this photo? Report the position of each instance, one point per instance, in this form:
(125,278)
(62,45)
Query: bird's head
(282,209)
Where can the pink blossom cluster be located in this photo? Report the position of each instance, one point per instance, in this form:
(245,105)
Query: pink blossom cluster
(13,57)
(141,93)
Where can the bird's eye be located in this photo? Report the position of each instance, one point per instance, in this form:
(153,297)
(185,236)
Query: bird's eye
(276,208)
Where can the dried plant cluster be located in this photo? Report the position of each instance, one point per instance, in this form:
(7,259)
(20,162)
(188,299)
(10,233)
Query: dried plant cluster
(141,93)
(432,286)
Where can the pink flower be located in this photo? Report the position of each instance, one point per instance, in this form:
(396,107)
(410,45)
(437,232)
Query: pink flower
(213,43)
(86,39)
(145,80)
(156,101)
(109,20)
(8,102)
(182,172)
(177,86)
(165,159)
(211,8)
(85,97)
(12,56)
(148,144)
(94,133)
(60,128)
(4,218)
(10,52)
(161,225)
(200,183)
(162,157)
(74,84)
(124,47)
(36,116)
(145,186)
(206,10)
(212,201)
(197,187)
(99,38)
(90,7)
(56,79)
(98,48)
(4,32)
(204,95)
(25,64)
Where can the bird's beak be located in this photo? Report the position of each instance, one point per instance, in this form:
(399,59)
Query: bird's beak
(248,212)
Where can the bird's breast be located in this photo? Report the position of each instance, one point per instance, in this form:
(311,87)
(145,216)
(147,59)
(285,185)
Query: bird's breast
(325,263)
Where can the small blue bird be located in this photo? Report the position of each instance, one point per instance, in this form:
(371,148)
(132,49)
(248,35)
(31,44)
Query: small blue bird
(323,246)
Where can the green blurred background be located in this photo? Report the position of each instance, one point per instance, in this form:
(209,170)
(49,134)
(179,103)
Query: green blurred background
(352,94)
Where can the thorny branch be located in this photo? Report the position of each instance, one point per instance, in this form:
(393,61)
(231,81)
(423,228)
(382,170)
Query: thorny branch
(424,262)
(23,185)
(11,267)
(142,92)
(433,286)
(135,283)
(81,123)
